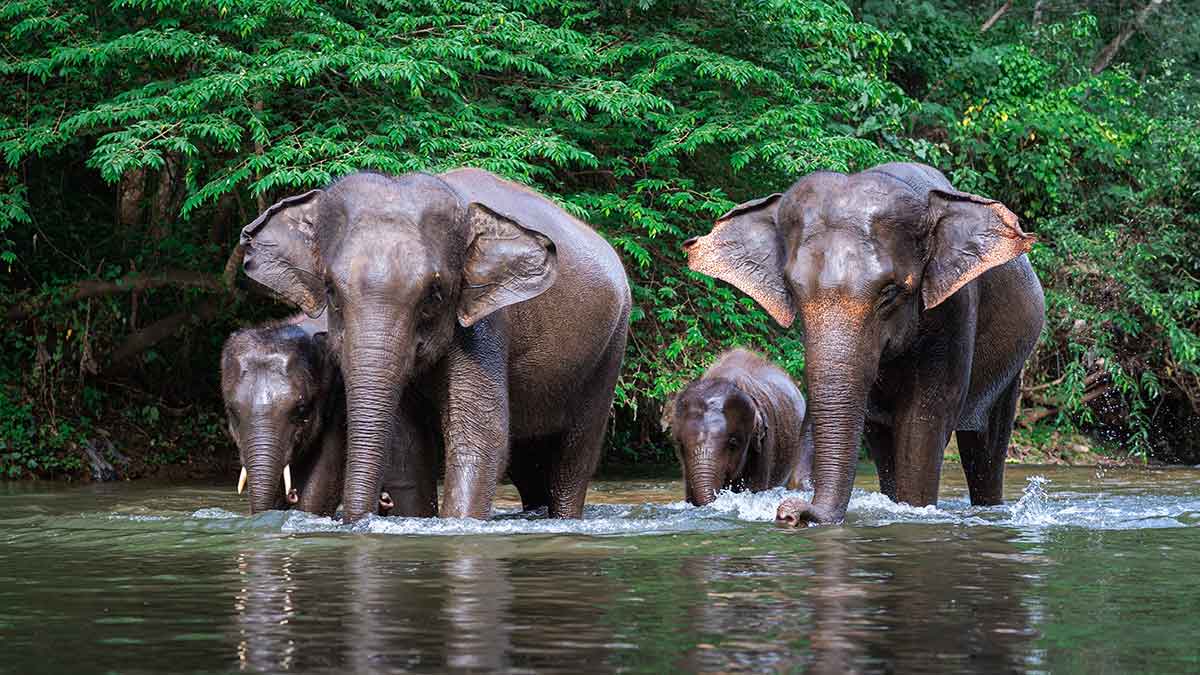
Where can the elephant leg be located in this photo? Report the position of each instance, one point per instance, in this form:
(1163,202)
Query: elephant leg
(572,466)
(475,415)
(801,478)
(934,393)
(528,467)
(578,455)
(881,447)
(983,452)
(321,490)
(410,480)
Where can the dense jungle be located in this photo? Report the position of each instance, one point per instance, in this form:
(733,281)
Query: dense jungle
(138,137)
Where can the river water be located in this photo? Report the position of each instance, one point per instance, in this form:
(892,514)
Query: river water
(1084,570)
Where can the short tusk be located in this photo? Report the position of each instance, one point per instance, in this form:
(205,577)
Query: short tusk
(287,479)
(242,481)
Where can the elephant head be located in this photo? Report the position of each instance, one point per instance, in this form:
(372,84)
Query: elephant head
(400,263)
(277,392)
(715,427)
(862,259)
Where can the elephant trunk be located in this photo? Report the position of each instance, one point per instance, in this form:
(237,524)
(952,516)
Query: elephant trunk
(264,468)
(703,481)
(839,376)
(374,378)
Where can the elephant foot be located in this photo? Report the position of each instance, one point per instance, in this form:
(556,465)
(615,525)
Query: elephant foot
(385,503)
(799,513)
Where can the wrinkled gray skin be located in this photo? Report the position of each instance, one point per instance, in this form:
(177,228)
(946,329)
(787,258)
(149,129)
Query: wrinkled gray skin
(283,403)
(506,313)
(285,406)
(741,426)
(919,309)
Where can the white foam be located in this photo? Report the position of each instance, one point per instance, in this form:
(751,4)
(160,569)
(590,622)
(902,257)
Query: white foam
(1039,507)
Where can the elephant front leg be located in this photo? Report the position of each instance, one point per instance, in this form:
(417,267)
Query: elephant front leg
(475,421)
(924,418)
(322,489)
(410,481)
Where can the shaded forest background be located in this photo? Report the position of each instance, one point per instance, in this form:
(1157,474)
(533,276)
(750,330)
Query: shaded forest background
(138,136)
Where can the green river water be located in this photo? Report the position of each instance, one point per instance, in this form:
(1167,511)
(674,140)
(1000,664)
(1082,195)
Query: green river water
(1083,570)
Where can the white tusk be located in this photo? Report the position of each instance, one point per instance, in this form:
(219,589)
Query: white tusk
(287,479)
(242,481)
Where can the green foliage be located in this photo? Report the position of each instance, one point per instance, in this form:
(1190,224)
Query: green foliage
(137,136)
(646,121)
(1105,168)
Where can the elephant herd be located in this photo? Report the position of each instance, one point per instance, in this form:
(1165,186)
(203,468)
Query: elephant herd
(465,322)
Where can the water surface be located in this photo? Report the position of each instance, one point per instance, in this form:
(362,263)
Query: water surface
(1084,570)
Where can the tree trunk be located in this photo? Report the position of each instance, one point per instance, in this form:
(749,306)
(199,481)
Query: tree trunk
(130,192)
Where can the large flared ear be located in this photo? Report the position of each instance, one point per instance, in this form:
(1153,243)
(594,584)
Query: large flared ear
(969,235)
(281,251)
(506,263)
(745,249)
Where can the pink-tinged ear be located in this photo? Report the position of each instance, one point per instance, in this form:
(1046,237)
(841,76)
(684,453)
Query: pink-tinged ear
(506,263)
(281,251)
(745,249)
(969,235)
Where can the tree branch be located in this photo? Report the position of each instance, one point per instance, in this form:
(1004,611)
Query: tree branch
(91,288)
(1040,414)
(161,330)
(1106,55)
(987,25)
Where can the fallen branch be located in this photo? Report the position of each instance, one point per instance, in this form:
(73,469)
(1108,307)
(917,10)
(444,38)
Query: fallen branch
(91,288)
(161,330)
(1088,382)
(1039,414)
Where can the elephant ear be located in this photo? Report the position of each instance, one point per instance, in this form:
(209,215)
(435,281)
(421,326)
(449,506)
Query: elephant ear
(745,249)
(505,264)
(969,235)
(281,251)
(744,406)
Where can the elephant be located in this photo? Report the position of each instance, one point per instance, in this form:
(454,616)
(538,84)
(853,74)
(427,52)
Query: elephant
(506,313)
(740,426)
(919,308)
(286,411)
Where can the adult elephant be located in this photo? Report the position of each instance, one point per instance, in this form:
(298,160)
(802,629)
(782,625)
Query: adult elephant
(919,308)
(507,313)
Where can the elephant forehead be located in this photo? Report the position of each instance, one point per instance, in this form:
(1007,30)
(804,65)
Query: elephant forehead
(261,376)
(390,260)
(862,203)
(838,259)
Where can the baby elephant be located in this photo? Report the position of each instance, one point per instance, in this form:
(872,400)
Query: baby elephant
(286,405)
(287,413)
(741,426)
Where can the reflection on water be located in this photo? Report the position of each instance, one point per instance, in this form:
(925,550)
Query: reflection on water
(1081,572)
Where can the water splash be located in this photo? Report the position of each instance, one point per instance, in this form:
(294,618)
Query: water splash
(1108,505)
(1032,508)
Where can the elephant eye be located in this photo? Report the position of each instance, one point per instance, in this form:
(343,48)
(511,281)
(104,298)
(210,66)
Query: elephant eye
(889,294)
(331,296)
(300,414)
(733,441)
(432,301)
